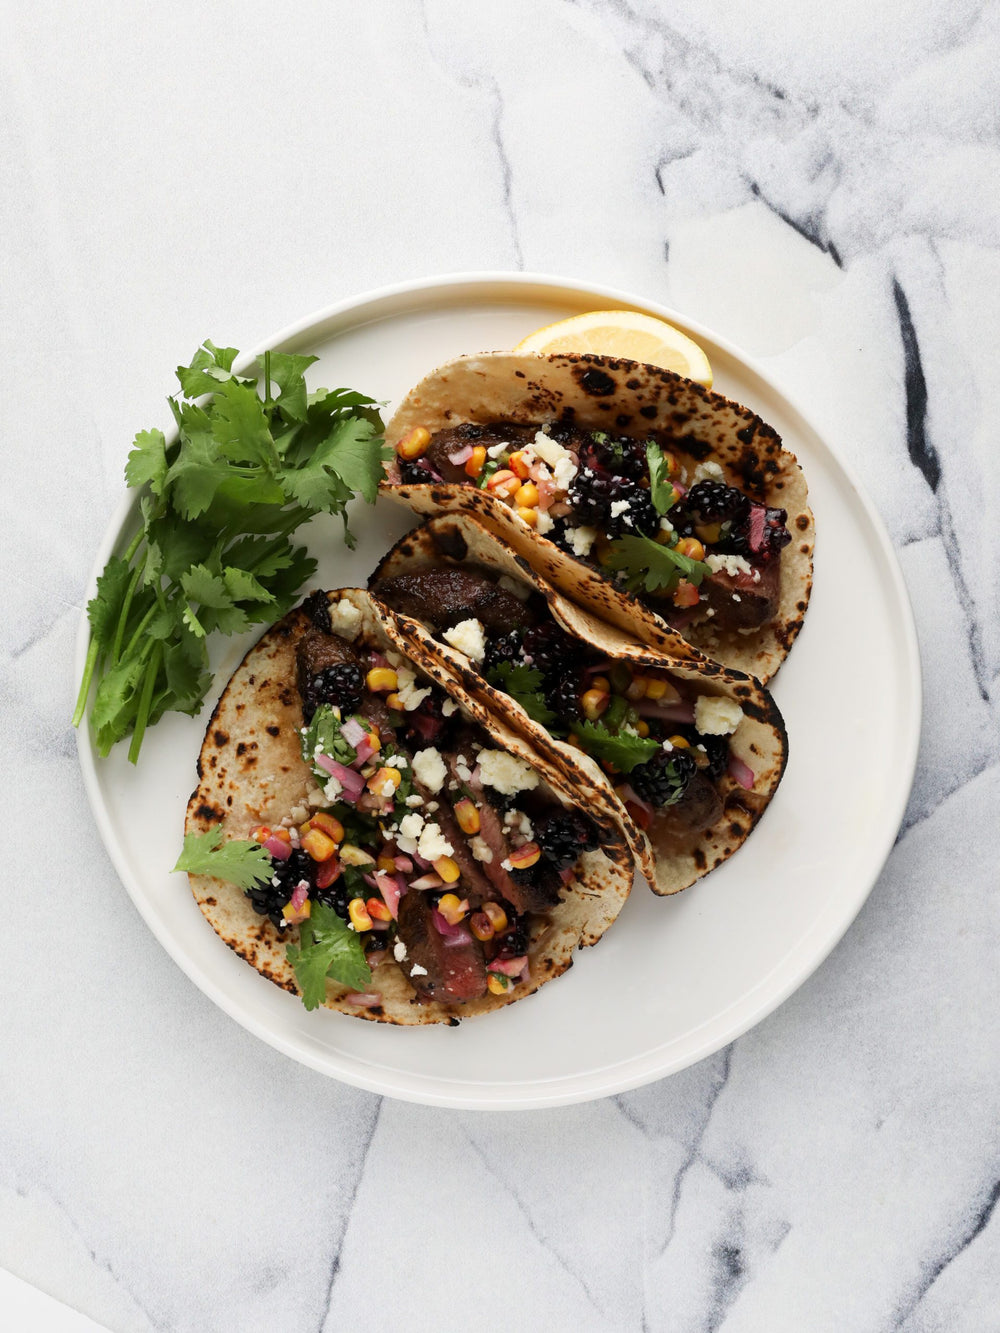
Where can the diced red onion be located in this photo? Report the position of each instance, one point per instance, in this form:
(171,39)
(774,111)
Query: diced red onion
(353,732)
(352,783)
(457,934)
(604,665)
(510,967)
(679,712)
(461,455)
(566,874)
(299,894)
(365,752)
(560,509)
(424,865)
(546,494)
(392,888)
(278,848)
(741,772)
(404,864)
(370,880)
(379,925)
(368,999)
(629,795)
(427,882)
(377,660)
(681,490)
(375,956)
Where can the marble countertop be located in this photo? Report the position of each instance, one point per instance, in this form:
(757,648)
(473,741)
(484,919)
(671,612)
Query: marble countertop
(818,185)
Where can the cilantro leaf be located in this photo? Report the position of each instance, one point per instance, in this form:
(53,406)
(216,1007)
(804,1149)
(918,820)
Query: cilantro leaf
(147,462)
(209,366)
(323,732)
(327,948)
(289,373)
(237,862)
(648,563)
(524,684)
(625,751)
(661,488)
(104,610)
(240,427)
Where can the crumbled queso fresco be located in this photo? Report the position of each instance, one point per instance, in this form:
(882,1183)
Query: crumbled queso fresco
(467,637)
(581,539)
(410,694)
(716,717)
(506,773)
(345,619)
(429,769)
(731,565)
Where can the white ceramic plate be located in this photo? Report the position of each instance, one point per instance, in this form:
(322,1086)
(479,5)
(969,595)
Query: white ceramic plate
(675,979)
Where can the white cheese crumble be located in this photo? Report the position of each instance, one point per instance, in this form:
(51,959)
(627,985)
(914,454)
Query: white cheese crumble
(619,507)
(581,539)
(411,825)
(506,773)
(731,564)
(480,848)
(710,471)
(548,450)
(316,797)
(543,523)
(332,790)
(409,693)
(399,951)
(345,619)
(429,769)
(564,472)
(495,450)
(467,637)
(716,717)
(388,789)
(417,971)
(448,707)
(432,844)
(414,800)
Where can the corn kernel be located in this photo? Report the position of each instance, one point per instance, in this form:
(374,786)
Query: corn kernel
(385,862)
(260,834)
(281,834)
(594,703)
(673,467)
(294,916)
(601,683)
(467,816)
(527,495)
(518,466)
(447,869)
(497,916)
(524,857)
(504,483)
(395,702)
(414,444)
(709,532)
(358,913)
(476,461)
(354,856)
(574,740)
(642,727)
(383,777)
(498,984)
(529,516)
(636,689)
(481,926)
(453,908)
(686,594)
(665,536)
(382,680)
(377,909)
(656,689)
(327,824)
(691,547)
(318,845)
(679,742)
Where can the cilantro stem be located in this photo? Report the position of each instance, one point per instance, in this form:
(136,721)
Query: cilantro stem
(142,716)
(140,627)
(133,583)
(88,676)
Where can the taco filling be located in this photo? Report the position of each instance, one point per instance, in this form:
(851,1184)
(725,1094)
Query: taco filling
(663,743)
(442,852)
(645,515)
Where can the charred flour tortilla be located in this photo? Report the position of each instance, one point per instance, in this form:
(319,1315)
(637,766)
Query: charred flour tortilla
(452,574)
(251,772)
(714,441)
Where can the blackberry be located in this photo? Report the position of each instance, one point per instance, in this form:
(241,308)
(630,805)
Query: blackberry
(269,898)
(548,648)
(640,518)
(717,749)
(563,697)
(713,502)
(664,779)
(340,685)
(590,494)
(513,942)
(775,536)
(415,472)
(502,648)
(566,836)
(621,457)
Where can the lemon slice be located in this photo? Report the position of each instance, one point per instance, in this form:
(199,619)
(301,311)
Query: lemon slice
(627,334)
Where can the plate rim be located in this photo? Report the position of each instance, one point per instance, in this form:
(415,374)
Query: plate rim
(644,1068)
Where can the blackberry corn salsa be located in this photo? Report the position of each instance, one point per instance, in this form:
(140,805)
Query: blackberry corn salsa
(655,522)
(431,846)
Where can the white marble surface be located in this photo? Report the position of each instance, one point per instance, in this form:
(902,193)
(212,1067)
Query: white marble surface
(817,183)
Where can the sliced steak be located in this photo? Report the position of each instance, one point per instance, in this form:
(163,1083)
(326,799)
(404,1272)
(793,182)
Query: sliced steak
(450,441)
(739,601)
(451,972)
(674,827)
(473,882)
(316,651)
(442,597)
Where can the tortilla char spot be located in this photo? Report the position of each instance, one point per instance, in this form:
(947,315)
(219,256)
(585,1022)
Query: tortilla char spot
(804,548)
(632,384)
(802,522)
(273,730)
(221,738)
(736,829)
(595,382)
(649,412)
(450,542)
(622,419)
(206,811)
(229,800)
(690,444)
(747,433)
(519,374)
(699,858)
(211,902)
(213,759)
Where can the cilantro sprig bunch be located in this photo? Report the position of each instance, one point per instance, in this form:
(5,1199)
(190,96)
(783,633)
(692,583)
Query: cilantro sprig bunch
(647,564)
(252,463)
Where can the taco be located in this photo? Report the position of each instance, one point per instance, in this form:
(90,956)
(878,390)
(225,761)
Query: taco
(686,756)
(667,509)
(402,830)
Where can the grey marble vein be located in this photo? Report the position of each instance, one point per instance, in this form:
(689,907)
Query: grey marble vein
(345,1218)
